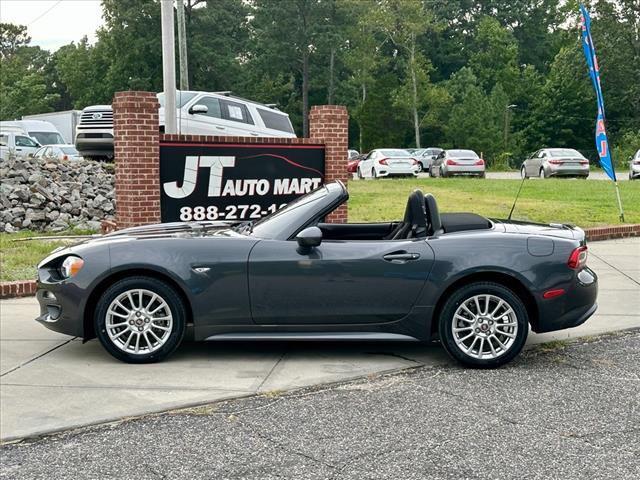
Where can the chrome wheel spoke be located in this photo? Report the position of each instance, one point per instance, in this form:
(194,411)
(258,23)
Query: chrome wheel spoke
(482,334)
(141,333)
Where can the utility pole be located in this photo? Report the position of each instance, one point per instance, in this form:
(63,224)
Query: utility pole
(506,124)
(168,66)
(182,47)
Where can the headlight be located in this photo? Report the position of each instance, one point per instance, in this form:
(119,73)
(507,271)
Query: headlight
(71,266)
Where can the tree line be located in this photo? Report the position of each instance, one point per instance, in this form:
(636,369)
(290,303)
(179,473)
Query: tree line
(503,77)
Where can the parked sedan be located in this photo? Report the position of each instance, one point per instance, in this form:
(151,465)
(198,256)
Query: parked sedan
(555,162)
(426,157)
(457,162)
(352,164)
(386,162)
(634,166)
(476,284)
(58,152)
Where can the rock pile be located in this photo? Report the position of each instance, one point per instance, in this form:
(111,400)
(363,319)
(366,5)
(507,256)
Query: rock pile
(54,195)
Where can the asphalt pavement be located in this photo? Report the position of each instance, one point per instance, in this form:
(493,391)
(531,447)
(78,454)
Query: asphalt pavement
(560,411)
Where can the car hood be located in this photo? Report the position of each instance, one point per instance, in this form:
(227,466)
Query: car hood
(558,230)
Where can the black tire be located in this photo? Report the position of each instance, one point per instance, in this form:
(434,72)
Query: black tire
(466,293)
(373,173)
(162,290)
(542,173)
(420,167)
(442,174)
(482,175)
(523,172)
(359,174)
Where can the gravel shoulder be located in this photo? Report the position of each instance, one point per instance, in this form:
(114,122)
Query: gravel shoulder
(562,410)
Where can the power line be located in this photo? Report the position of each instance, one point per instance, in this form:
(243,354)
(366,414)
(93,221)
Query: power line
(44,13)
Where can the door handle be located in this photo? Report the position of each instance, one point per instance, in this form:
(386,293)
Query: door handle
(401,257)
(220,128)
(255,134)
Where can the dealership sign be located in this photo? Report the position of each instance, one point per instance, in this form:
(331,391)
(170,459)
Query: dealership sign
(221,181)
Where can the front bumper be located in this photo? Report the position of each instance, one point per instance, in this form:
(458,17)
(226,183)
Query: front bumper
(571,309)
(59,308)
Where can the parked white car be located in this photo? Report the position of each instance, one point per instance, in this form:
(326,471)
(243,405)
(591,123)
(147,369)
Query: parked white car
(634,166)
(387,162)
(58,152)
(457,162)
(198,113)
(45,133)
(16,145)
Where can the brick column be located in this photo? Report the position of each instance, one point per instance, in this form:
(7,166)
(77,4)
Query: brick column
(137,157)
(329,124)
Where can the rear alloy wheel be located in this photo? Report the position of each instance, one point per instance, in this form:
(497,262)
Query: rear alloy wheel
(523,172)
(420,167)
(483,325)
(442,174)
(359,173)
(140,320)
(543,174)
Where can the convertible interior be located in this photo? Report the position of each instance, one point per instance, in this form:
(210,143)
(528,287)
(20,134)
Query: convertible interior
(421,219)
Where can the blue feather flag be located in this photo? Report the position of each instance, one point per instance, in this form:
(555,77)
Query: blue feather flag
(602,143)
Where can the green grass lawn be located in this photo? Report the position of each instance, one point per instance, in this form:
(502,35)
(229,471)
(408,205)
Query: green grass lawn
(18,260)
(586,203)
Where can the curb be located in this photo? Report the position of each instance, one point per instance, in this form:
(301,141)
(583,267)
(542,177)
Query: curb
(20,288)
(26,288)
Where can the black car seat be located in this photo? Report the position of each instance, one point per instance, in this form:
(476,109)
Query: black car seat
(414,223)
(433,215)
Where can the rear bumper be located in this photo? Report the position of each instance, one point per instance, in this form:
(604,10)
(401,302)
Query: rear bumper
(568,172)
(396,170)
(571,309)
(464,169)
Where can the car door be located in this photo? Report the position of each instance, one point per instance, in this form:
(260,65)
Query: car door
(238,115)
(339,282)
(25,146)
(211,122)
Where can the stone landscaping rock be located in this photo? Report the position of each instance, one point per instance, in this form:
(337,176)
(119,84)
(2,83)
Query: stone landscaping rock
(55,195)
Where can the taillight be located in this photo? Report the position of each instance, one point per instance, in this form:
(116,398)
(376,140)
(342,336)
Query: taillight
(414,161)
(383,161)
(584,162)
(451,162)
(555,162)
(480,162)
(636,162)
(578,258)
(65,158)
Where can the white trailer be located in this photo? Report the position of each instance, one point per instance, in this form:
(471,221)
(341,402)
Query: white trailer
(65,122)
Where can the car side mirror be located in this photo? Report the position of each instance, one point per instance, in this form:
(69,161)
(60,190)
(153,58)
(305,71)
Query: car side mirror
(309,237)
(199,108)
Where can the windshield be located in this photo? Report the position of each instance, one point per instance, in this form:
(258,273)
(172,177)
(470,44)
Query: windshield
(432,151)
(462,154)
(271,225)
(395,153)
(47,138)
(564,152)
(181,98)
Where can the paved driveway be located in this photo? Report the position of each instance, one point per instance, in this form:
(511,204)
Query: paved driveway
(52,382)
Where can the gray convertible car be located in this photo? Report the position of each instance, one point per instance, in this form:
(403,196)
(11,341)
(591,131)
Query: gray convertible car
(476,284)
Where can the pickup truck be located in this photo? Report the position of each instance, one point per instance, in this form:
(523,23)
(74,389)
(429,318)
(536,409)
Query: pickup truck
(16,145)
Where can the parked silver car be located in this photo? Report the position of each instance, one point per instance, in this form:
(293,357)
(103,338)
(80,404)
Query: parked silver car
(58,152)
(426,156)
(555,162)
(457,162)
(634,166)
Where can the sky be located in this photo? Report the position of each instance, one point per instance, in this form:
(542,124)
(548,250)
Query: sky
(54,23)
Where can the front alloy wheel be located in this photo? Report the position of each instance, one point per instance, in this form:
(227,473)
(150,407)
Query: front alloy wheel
(140,320)
(483,325)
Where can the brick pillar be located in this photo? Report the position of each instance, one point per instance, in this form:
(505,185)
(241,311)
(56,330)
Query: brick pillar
(329,124)
(137,157)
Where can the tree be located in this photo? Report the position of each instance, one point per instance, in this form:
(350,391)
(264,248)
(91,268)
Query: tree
(291,48)
(403,21)
(26,85)
(12,37)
